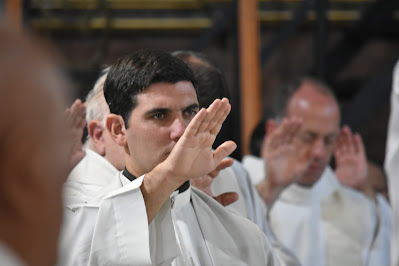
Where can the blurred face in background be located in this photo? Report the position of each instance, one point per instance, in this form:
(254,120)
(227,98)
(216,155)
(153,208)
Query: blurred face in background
(320,127)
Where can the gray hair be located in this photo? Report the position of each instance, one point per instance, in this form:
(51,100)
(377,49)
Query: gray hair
(96,106)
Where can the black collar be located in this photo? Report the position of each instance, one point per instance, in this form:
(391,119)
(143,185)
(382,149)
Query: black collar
(131,177)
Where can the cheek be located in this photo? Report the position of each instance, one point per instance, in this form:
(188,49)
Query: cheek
(303,149)
(329,152)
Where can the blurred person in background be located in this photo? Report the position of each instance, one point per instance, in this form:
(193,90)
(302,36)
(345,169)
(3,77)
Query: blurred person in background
(321,220)
(36,149)
(104,157)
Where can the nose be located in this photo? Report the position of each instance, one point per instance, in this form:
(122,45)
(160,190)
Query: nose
(318,149)
(177,128)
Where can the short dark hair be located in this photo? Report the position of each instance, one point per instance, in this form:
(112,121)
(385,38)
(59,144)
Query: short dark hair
(284,94)
(211,85)
(257,137)
(133,73)
(211,81)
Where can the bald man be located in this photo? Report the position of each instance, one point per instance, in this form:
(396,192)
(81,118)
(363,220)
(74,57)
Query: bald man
(322,221)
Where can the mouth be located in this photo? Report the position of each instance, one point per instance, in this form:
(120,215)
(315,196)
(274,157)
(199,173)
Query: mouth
(315,167)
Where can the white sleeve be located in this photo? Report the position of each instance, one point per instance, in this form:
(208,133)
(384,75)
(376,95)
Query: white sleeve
(257,212)
(113,231)
(380,251)
(392,164)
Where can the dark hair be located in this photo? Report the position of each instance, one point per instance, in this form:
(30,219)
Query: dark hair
(211,81)
(211,85)
(257,136)
(284,94)
(133,73)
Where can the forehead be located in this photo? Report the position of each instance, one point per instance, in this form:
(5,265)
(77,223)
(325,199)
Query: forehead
(167,95)
(319,111)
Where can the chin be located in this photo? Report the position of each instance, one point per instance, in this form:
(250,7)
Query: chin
(309,181)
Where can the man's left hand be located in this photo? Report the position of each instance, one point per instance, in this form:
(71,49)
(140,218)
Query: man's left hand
(204,184)
(351,163)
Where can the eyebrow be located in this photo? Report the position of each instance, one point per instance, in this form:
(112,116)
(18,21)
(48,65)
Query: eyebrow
(165,110)
(192,106)
(156,110)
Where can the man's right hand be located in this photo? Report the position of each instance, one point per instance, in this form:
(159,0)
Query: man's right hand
(284,165)
(193,157)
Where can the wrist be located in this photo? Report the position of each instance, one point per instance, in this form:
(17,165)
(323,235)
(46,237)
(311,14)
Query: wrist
(167,178)
(268,191)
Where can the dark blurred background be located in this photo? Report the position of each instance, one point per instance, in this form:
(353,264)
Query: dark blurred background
(351,44)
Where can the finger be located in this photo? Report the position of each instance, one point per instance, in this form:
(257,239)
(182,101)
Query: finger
(293,129)
(226,199)
(68,117)
(339,146)
(227,162)
(221,117)
(277,138)
(224,150)
(75,107)
(193,127)
(222,165)
(359,145)
(80,115)
(348,140)
(264,147)
(274,140)
(212,111)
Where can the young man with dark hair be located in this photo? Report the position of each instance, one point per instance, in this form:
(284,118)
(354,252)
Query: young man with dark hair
(150,214)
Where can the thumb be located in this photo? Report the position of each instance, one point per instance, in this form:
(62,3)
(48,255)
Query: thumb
(224,150)
(227,198)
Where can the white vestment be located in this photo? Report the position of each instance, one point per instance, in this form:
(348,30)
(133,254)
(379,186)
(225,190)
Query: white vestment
(94,172)
(391,165)
(249,205)
(113,230)
(88,177)
(8,257)
(330,224)
(255,167)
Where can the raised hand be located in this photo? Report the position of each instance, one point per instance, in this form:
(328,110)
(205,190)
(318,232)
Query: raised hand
(204,183)
(75,117)
(351,163)
(193,157)
(284,164)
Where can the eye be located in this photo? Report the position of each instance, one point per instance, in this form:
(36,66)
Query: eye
(328,141)
(159,116)
(191,112)
(306,138)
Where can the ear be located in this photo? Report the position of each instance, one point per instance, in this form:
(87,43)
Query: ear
(95,131)
(271,125)
(116,126)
